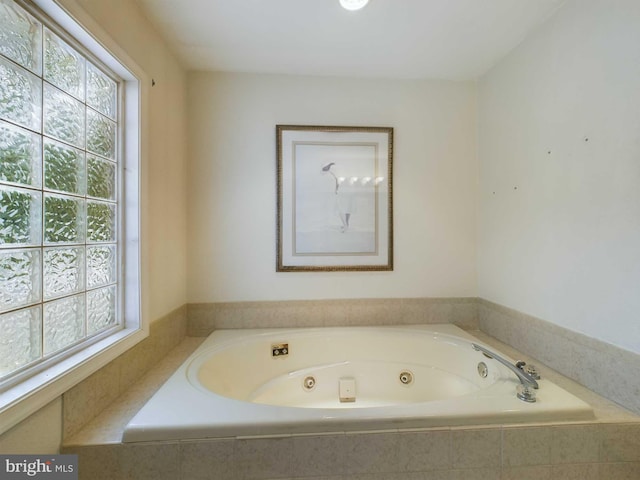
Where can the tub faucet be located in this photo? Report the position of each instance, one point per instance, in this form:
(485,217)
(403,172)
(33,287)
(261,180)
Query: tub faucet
(526,380)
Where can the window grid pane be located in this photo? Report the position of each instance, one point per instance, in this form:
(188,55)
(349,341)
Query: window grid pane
(20,277)
(59,205)
(20,36)
(63,117)
(24,328)
(64,168)
(63,66)
(20,96)
(101,92)
(20,156)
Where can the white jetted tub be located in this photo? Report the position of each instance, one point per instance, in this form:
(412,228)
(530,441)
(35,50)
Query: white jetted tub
(312,380)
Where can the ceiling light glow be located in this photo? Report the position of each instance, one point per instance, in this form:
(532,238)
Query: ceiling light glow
(353,4)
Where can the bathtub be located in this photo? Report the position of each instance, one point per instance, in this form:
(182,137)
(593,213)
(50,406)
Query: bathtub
(314,380)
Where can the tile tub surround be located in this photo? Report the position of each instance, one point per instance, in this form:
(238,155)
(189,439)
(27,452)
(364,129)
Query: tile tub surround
(490,453)
(601,367)
(607,448)
(204,318)
(88,398)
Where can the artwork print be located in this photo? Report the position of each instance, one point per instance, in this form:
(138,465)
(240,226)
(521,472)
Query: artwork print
(334,198)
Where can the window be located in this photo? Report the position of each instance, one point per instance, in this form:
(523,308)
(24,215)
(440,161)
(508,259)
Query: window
(62,193)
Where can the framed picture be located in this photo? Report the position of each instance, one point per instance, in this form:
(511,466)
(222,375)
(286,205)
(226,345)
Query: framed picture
(334,198)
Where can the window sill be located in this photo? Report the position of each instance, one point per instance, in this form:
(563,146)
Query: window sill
(24,399)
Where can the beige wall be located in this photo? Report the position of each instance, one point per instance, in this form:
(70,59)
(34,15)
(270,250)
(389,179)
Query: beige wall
(559,221)
(164,139)
(163,193)
(232,184)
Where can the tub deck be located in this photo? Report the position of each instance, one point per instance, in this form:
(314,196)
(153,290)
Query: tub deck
(606,447)
(231,387)
(108,427)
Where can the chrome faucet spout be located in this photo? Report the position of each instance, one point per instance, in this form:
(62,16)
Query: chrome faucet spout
(524,377)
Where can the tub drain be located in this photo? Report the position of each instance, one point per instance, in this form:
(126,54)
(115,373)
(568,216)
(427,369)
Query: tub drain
(406,377)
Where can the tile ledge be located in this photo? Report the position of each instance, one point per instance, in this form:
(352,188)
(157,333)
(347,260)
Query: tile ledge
(108,426)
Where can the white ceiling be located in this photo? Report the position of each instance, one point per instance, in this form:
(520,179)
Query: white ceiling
(451,39)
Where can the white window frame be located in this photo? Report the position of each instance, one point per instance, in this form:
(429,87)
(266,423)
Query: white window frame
(28,396)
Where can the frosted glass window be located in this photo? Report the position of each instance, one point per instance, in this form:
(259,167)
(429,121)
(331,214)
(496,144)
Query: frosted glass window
(101,309)
(20,96)
(101,222)
(63,271)
(21,338)
(63,66)
(63,117)
(101,178)
(64,323)
(20,36)
(64,219)
(20,217)
(101,92)
(64,168)
(101,135)
(101,265)
(59,193)
(20,155)
(20,278)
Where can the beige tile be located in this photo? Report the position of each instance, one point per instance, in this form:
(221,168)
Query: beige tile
(620,471)
(202,460)
(174,330)
(78,406)
(575,444)
(432,475)
(107,386)
(280,314)
(586,360)
(585,471)
(428,450)
(465,314)
(133,364)
(493,322)
(620,443)
(373,311)
(105,428)
(602,373)
(109,424)
(372,453)
(37,434)
(99,462)
(332,477)
(414,311)
(540,472)
(180,325)
(200,319)
(153,347)
(475,474)
(263,457)
(476,448)
(439,312)
(298,314)
(526,446)
(460,311)
(318,455)
(150,461)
